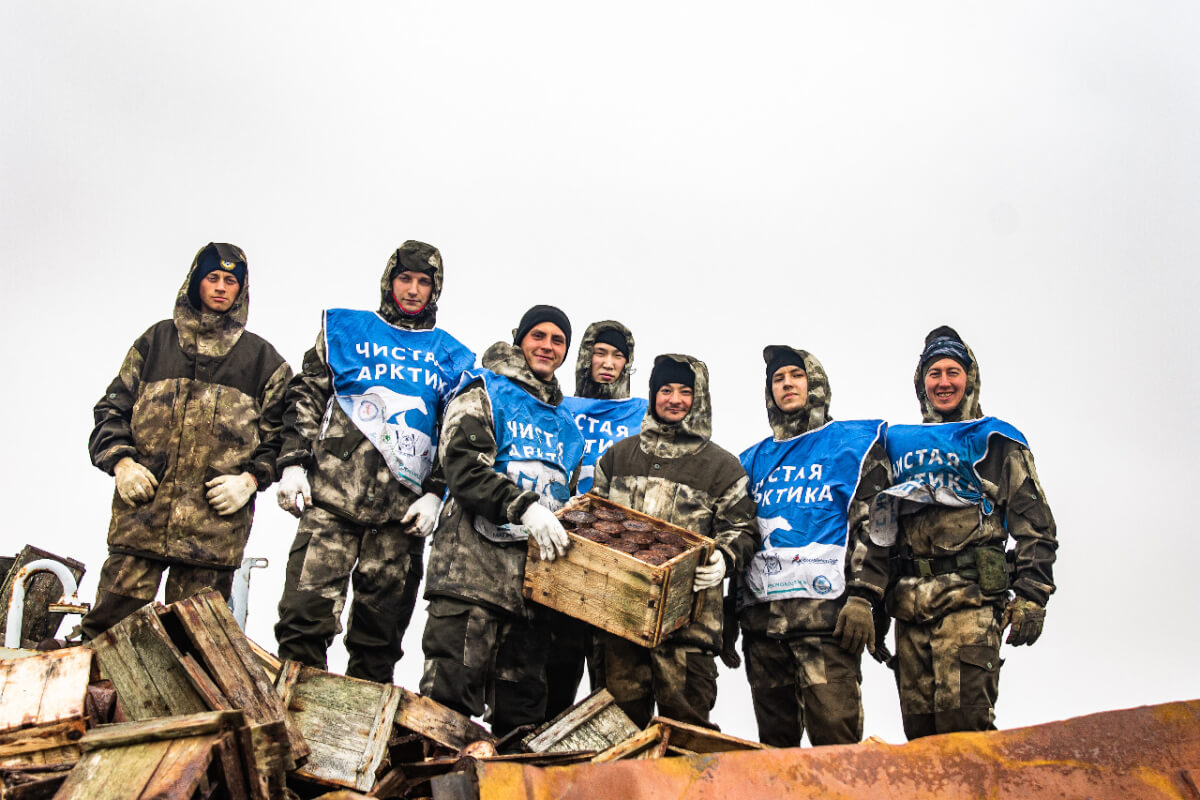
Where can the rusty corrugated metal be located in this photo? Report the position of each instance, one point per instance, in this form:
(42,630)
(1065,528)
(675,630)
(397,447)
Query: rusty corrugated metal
(1137,754)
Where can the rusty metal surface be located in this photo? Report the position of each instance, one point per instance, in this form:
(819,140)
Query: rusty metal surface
(1143,753)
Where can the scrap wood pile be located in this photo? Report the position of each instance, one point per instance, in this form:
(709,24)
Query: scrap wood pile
(175,702)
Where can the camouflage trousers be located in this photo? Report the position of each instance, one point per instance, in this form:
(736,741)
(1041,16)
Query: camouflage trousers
(807,682)
(385,564)
(570,649)
(129,582)
(948,672)
(477,657)
(680,678)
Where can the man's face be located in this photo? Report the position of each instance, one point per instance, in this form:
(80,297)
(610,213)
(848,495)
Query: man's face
(412,290)
(218,290)
(945,384)
(672,402)
(544,347)
(607,363)
(789,388)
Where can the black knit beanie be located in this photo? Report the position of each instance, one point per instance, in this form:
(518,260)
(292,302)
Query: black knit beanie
(217,256)
(614,338)
(668,370)
(539,314)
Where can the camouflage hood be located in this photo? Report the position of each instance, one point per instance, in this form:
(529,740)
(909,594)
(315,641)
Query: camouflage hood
(420,257)
(507,359)
(584,385)
(969,408)
(816,409)
(202,332)
(690,433)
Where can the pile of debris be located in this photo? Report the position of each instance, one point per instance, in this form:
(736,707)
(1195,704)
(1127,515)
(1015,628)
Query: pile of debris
(176,702)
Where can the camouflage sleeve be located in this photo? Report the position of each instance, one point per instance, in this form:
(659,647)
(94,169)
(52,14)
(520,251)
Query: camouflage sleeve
(735,521)
(112,437)
(467,452)
(867,562)
(270,427)
(1029,521)
(304,406)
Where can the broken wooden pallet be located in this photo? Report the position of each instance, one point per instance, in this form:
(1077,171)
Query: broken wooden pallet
(173,758)
(594,723)
(43,707)
(685,739)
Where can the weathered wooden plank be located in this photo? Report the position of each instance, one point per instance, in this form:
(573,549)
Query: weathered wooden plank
(138,656)
(649,743)
(180,769)
(435,721)
(697,739)
(161,729)
(37,622)
(227,754)
(42,689)
(595,723)
(100,775)
(55,741)
(267,754)
(204,685)
(234,668)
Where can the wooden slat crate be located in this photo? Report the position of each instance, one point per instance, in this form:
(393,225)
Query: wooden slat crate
(42,708)
(614,591)
(595,723)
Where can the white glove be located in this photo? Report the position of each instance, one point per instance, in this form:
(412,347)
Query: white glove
(546,530)
(135,483)
(228,493)
(294,493)
(423,514)
(710,574)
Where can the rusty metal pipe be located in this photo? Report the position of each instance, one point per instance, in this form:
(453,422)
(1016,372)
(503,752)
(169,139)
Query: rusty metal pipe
(16,604)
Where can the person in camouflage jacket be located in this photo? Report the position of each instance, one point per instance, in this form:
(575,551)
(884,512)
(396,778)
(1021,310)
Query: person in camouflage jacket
(954,590)
(674,472)
(190,427)
(484,644)
(357,520)
(803,653)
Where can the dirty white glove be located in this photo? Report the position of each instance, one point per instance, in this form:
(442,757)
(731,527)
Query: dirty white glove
(710,574)
(423,514)
(546,530)
(294,494)
(135,483)
(228,493)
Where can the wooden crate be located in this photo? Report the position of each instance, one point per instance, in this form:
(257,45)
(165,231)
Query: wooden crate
(614,591)
(595,723)
(42,708)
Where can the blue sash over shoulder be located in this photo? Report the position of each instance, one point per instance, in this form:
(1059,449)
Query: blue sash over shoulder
(603,423)
(393,384)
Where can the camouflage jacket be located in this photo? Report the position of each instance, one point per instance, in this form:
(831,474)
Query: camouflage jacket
(1021,512)
(584,385)
(463,564)
(674,472)
(197,396)
(866,562)
(348,475)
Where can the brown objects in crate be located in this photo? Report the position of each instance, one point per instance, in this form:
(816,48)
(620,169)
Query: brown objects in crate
(673,539)
(640,538)
(609,514)
(624,546)
(638,525)
(578,518)
(587,533)
(610,528)
(601,538)
(652,556)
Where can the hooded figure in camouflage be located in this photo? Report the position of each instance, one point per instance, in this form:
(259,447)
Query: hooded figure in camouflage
(510,454)
(964,485)
(605,414)
(190,428)
(673,471)
(806,598)
(360,433)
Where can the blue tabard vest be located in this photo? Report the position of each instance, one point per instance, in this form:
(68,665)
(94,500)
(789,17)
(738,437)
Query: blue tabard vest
(393,384)
(537,448)
(603,423)
(935,464)
(803,488)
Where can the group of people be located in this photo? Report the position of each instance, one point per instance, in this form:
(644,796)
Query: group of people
(824,531)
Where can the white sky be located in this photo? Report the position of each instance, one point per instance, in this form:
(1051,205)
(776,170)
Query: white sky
(838,177)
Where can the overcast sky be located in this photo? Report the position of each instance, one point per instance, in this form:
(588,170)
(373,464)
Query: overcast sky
(837,177)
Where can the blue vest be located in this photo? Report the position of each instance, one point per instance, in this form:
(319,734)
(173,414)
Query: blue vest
(537,448)
(603,423)
(935,464)
(803,488)
(393,384)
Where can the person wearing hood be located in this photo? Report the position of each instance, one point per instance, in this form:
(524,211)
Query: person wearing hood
(510,453)
(806,598)
(673,471)
(190,429)
(605,414)
(360,434)
(964,487)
